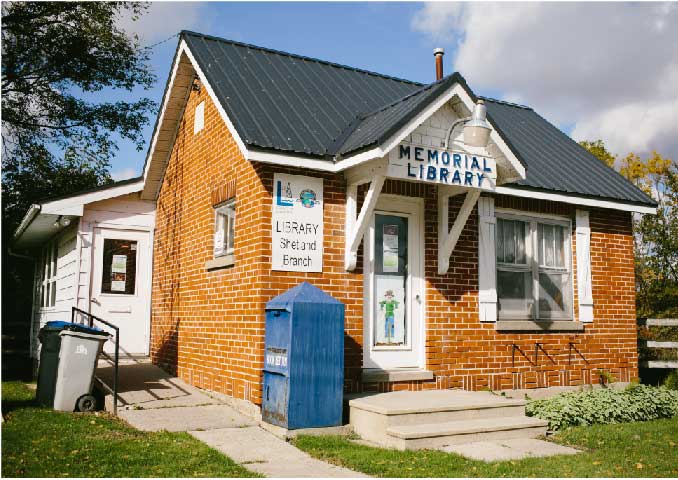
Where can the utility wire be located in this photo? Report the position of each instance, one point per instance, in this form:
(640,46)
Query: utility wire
(150,47)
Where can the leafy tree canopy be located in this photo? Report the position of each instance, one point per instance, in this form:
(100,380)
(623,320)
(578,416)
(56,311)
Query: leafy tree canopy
(597,147)
(655,236)
(57,138)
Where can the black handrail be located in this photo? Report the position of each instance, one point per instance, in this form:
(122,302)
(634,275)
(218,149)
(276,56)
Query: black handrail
(91,318)
(569,354)
(515,347)
(540,346)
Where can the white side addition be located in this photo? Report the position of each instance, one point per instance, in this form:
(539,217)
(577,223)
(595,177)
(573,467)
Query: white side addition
(487,268)
(584,267)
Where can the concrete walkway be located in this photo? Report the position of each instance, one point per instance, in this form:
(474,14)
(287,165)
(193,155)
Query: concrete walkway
(152,400)
(263,452)
(511,449)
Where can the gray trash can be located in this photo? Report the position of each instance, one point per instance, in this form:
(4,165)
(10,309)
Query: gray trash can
(65,379)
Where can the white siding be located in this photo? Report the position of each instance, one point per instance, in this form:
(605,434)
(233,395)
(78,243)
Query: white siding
(126,211)
(74,257)
(65,285)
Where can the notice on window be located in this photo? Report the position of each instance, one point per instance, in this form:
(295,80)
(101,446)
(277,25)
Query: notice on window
(297,223)
(118,273)
(390,249)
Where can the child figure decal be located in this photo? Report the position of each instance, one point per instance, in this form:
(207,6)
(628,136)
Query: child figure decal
(389,329)
(389,305)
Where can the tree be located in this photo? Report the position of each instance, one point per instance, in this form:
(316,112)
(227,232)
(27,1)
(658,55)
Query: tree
(58,137)
(655,236)
(597,147)
(56,57)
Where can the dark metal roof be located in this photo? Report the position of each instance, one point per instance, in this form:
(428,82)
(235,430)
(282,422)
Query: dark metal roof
(290,103)
(555,161)
(374,128)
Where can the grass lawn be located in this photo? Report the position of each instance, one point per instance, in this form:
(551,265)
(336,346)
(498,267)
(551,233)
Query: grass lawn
(643,449)
(38,442)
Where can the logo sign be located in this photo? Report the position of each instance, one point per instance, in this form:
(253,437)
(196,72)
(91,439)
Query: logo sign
(437,165)
(297,223)
(81,349)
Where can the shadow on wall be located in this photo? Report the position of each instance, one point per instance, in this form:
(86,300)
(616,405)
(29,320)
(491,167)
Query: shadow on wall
(168,250)
(166,355)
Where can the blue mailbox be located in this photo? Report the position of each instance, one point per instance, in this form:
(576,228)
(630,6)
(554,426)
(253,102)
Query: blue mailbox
(304,359)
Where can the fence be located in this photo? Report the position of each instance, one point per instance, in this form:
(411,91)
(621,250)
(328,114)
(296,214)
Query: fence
(658,322)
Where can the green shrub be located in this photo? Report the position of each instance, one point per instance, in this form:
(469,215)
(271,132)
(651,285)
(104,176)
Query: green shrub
(671,381)
(606,405)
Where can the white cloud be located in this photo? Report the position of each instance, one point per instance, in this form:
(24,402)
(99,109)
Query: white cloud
(124,174)
(609,69)
(163,19)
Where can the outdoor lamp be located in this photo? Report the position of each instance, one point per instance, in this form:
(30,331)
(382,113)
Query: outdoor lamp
(476,129)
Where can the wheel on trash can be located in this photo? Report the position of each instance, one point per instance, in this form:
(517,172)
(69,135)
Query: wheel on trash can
(86,403)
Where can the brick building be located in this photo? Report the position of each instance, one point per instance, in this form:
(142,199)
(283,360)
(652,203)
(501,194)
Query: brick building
(469,252)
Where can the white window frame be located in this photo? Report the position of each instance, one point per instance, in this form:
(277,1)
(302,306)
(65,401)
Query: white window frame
(48,275)
(534,265)
(224,218)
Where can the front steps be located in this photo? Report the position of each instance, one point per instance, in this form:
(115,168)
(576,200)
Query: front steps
(436,418)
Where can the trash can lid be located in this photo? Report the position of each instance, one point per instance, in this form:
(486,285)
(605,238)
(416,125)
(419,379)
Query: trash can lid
(76,327)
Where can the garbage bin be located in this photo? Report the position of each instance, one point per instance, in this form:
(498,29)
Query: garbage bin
(67,362)
(304,359)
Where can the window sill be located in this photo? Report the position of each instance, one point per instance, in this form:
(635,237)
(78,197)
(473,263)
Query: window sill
(218,263)
(539,326)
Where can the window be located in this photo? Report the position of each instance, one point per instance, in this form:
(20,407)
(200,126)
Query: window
(119,271)
(48,271)
(534,278)
(224,228)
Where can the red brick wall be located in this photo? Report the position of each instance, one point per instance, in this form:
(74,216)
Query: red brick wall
(208,327)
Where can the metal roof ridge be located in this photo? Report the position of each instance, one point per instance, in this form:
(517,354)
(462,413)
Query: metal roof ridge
(358,120)
(504,102)
(355,123)
(300,57)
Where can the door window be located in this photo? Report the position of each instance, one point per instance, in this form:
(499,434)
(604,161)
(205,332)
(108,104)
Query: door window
(119,268)
(390,269)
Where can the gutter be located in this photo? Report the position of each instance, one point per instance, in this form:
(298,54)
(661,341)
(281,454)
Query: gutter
(30,216)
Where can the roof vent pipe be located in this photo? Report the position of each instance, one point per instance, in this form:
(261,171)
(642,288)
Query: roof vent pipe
(438,53)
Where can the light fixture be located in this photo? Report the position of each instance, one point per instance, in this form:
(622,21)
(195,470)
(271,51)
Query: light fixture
(61,221)
(476,129)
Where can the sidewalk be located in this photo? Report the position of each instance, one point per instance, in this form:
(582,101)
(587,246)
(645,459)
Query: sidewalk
(152,400)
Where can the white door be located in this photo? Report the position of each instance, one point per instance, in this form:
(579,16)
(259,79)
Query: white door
(121,287)
(394,285)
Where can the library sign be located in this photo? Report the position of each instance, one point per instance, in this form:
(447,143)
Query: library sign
(437,165)
(297,223)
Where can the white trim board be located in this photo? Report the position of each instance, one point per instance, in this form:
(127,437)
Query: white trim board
(574,200)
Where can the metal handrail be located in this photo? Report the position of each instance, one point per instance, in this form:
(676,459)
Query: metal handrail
(540,346)
(572,346)
(91,318)
(515,347)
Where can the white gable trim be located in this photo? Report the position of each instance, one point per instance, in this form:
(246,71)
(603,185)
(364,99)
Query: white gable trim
(151,159)
(220,108)
(75,205)
(574,200)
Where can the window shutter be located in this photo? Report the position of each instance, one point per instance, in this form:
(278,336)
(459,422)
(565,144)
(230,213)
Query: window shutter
(584,288)
(487,268)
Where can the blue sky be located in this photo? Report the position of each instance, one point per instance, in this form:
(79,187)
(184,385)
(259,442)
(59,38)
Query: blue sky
(572,62)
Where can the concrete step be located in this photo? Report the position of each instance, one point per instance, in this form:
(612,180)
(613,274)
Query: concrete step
(434,435)
(391,419)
